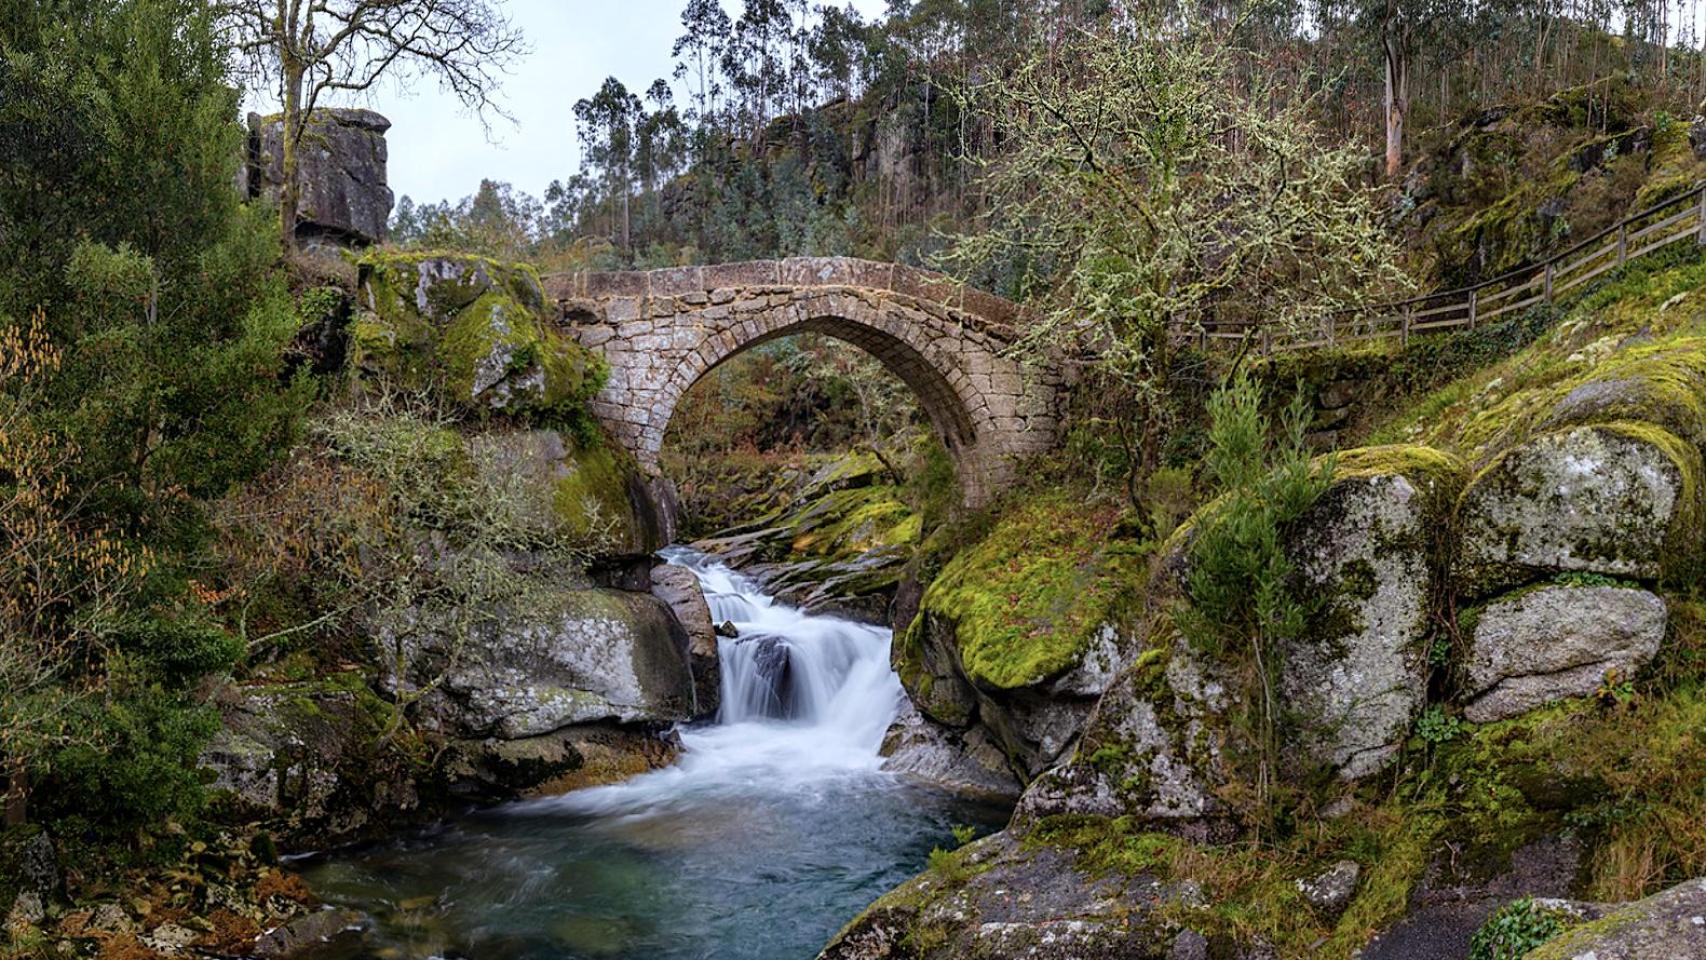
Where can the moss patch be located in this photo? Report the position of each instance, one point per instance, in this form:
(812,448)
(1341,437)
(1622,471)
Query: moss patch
(1026,601)
(474,332)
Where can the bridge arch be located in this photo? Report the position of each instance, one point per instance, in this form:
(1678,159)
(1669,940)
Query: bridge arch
(662,330)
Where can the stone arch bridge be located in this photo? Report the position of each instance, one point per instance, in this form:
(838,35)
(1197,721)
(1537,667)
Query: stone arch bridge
(661,330)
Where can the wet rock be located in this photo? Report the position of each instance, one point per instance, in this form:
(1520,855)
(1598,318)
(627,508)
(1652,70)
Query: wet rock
(494,770)
(727,629)
(1554,642)
(305,934)
(1671,923)
(1330,891)
(679,589)
(1618,499)
(344,197)
(1004,901)
(770,688)
(968,763)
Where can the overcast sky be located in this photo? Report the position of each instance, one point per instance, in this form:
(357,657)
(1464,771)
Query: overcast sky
(439,152)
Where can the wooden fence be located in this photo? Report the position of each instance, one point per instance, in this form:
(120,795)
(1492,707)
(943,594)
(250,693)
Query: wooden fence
(1450,311)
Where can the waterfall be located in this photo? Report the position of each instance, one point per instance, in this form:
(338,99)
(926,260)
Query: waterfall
(819,674)
(805,699)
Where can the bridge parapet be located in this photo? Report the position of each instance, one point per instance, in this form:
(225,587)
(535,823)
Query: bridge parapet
(794,272)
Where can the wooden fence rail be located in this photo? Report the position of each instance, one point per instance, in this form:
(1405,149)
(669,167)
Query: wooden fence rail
(1450,311)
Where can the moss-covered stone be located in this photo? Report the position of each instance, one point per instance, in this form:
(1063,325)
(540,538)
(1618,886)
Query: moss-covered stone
(1621,499)
(473,330)
(1368,548)
(602,496)
(1028,600)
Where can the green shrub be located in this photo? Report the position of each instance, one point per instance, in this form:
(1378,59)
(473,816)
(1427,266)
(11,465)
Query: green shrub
(1516,929)
(178,652)
(132,766)
(1242,605)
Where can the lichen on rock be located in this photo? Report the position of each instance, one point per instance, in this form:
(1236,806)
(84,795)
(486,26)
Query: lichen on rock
(1556,641)
(1620,499)
(1357,677)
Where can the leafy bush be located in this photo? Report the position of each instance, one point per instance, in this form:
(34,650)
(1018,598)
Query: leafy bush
(133,765)
(1516,929)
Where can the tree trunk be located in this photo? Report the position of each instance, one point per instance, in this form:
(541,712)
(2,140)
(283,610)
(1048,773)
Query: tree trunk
(1397,92)
(290,136)
(17,794)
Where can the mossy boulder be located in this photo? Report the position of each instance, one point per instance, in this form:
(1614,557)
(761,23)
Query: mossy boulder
(1358,676)
(1000,898)
(1022,631)
(1550,642)
(1353,682)
(572,655)
(319,761)
(1620,499)
(928,665)
(1666,924)
(1028,603)
(1151,748)
(474,332)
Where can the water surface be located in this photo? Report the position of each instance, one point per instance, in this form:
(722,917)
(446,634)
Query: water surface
(774,828)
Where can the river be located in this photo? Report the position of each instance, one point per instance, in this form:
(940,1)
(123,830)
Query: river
(775,827)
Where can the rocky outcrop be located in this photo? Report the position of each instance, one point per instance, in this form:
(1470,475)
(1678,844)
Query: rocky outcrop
(1619,499)
(1354,681)
(1358,676)
(1671,923)
(1000,900)
(344,198)
(1532,647)
(474,332)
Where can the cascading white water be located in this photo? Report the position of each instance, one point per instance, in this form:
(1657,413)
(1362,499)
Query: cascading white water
(803,698)
(773,828)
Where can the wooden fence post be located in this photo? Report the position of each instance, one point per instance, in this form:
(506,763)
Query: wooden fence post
(1700,215)
(1404,328)
(1472,298)
(1622,244)
(1548,290)
(1267,341)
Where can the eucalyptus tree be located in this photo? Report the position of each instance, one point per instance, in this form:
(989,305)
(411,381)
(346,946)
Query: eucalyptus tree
(605,125)
(306,50)
(699,51)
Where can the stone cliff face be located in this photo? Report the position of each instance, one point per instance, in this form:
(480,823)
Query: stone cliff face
(345,200)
